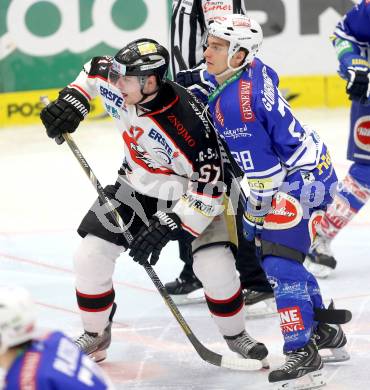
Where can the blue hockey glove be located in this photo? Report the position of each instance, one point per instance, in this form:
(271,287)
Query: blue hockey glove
(197,80)
(253,218)
(252,226)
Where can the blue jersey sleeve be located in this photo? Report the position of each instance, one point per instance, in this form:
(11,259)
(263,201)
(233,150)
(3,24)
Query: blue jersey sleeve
(261,132)
(273,111)
(55,363)
(351,38)
(295,146)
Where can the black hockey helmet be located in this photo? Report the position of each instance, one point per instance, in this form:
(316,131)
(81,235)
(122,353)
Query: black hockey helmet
(142,57)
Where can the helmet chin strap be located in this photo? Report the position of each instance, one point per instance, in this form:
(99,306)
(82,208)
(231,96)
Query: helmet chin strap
(226,72)
(230,70)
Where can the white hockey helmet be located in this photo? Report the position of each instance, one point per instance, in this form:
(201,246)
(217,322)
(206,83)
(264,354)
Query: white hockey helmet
(17,317)
(241,31)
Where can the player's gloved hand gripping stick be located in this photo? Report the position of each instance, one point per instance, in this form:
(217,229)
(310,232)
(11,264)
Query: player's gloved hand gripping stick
(206,354)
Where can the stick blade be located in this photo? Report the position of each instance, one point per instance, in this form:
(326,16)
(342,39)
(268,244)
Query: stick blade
(240,364)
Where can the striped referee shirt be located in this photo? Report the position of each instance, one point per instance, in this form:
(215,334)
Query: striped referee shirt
(189,22)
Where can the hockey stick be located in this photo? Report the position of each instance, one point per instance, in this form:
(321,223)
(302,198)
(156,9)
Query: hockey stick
(206,354)
(179,58)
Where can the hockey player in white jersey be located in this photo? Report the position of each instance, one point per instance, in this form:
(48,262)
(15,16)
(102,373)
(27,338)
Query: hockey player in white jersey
(169,188)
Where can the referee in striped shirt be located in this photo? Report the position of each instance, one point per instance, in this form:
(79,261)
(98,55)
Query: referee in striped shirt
(189,22)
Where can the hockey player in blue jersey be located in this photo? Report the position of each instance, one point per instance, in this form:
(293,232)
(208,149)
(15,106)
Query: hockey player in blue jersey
(291,181)
(351,41)
(188,23)
(52,362)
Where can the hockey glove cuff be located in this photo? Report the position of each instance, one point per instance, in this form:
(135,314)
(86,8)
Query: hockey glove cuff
(150,240)
(64,114)
(197,80)
(254,217)
(358,84)
(252,226)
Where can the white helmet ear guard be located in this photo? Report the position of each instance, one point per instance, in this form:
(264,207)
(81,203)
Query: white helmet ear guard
(241,32)
(17,317)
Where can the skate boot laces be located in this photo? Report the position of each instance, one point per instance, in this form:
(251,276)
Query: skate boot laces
(242,343)
(293,359)
(95,345)
(89,342)
(248,347)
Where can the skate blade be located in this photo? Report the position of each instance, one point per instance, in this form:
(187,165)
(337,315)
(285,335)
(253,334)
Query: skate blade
(310,381)
(196,296)
(264,308)
(318,270)
(335,355)
(98,356)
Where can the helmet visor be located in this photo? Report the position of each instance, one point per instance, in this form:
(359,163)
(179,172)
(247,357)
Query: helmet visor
(116,73)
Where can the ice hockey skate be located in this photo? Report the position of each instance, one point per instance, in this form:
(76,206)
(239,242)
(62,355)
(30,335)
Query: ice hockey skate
(331,337)
(248,348)
(259,303)
(95,345)
(302,370)
(186,291)
(320,260)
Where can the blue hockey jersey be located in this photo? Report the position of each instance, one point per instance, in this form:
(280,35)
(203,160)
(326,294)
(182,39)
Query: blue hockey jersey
(54,363)
(266,140)
(351,41)
(352,36)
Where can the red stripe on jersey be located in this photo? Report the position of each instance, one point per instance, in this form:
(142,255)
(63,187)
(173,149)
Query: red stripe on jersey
(92,296)
(190,230)
(81,90)
(28,371)
(98,77)
(221,301)
(163,108)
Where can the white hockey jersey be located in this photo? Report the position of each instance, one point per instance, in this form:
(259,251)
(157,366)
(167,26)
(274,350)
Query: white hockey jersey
(170,151)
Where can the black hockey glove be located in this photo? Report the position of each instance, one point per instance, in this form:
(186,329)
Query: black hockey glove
(151,239)
(358,86)
(64,114)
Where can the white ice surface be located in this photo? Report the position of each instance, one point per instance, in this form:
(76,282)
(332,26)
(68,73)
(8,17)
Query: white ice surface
(43,196)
